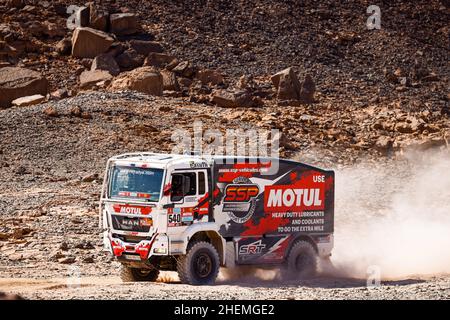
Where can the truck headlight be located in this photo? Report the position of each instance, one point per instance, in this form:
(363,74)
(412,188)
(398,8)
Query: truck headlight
(160,250)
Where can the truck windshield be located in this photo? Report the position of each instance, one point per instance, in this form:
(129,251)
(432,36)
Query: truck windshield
(133,182)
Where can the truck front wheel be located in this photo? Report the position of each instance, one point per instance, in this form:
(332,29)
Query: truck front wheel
(200,265)
(301,262)
(133,274)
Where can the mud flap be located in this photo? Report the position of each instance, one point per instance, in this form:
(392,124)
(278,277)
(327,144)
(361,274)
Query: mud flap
(230,255)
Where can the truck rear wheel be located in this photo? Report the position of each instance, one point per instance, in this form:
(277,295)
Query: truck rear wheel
(301,262)
(128,274)
(200,265)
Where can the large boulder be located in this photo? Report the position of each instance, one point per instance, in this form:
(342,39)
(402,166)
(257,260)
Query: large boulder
(28,101)
(99,17)
(124,23)
(130,59)
(307,90)
(106,62)
(208,76)
(91,78)
(159,60)
(170,81)
(19,82)
(287,85)
(89,43)
(144,79)
(231,99)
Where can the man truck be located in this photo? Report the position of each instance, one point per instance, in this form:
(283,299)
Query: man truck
(194,214)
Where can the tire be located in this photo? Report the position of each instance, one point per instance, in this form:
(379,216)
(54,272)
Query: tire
(200,265)
(128,274)
(301,263)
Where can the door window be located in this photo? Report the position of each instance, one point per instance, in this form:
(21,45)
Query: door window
(190,178)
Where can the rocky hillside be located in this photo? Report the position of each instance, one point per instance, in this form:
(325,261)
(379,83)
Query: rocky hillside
(228,53)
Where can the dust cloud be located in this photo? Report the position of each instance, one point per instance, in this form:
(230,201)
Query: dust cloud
(394,216)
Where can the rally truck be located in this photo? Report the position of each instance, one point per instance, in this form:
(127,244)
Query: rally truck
(194,214)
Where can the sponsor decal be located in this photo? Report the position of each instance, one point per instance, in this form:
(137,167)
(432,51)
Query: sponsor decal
(129,209)
(288,198)
(194,164)
(240,199)
(254,248)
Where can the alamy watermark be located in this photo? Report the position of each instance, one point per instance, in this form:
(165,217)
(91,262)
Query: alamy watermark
(373,277)
(374,20)
(253,144)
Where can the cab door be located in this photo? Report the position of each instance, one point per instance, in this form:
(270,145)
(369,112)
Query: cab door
(190,201)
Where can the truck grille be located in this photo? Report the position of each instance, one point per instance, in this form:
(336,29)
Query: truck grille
(129,224)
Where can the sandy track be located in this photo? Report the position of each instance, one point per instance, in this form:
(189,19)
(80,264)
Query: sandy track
(437,287)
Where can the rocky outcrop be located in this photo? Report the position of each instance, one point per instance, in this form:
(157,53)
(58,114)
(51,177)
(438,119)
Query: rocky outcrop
(19,82)
(145,79)
(124,23)
(232,99)
(89,43)
(106,62)
(91,78)
(28,101)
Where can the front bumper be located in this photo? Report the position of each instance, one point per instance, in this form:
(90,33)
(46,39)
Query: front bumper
(141,251)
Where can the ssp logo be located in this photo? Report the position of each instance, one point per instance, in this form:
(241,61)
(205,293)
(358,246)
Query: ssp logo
(240,199)
(240,192)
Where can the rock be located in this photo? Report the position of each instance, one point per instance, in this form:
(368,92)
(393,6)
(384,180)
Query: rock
(28,101)
(90,78)
(76,111)
(144,79)
(50,111)
(384,144)
(64,47)
(431,77)
(21,170)
(159,60)
(7,52)
(60,94)
(18,4)
(85,245)
(4,236)
(88,259)
(89,43)
(83,16)
(19,233)
(146,47)
(287,84)
(10,296)
(99,17)
(307,90)
(90,177)
(169,81)
(130,59)
(124,23)
(208,76)
(230,99)
(105,62)
(184,69)
(64,246)
(19,82)
(67,260)
(410,125)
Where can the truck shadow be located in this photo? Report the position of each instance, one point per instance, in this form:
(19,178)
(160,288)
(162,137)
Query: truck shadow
(324,282)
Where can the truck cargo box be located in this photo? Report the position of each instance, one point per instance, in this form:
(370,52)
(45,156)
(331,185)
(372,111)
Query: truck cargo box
(264,197)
